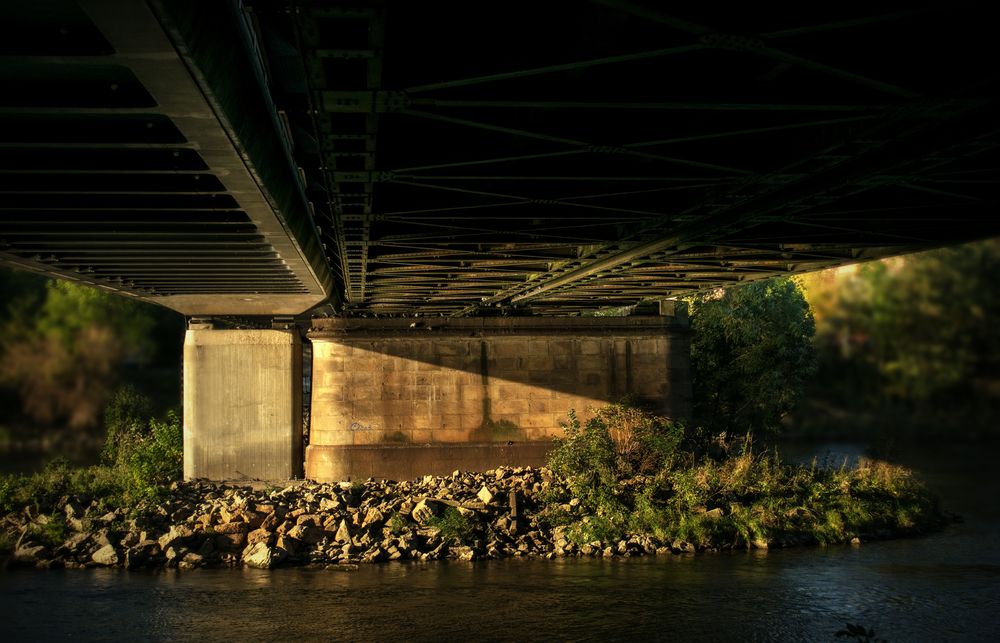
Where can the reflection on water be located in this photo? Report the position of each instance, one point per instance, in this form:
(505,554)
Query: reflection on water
(942,587)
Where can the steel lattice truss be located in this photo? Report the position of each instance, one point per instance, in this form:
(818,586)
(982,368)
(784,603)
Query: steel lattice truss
(570,158)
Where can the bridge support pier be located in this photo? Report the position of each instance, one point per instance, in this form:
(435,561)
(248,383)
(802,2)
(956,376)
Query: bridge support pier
(242,404)
(397,399)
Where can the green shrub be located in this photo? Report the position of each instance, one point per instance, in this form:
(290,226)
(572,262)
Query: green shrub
(453,525)
(51,533)
(620,441)
(608,463)
(157,458)
(722,494)
(126,419)
(142,455)
(397,524)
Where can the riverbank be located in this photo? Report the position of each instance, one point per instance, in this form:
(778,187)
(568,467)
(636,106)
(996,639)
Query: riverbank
(502,513)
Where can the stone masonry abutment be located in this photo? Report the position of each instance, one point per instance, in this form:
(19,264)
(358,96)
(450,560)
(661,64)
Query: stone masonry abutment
(398,398)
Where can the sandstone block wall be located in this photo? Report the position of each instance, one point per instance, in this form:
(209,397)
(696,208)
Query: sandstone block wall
(383,383)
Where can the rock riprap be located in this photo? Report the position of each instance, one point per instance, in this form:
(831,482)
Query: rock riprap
(464,516)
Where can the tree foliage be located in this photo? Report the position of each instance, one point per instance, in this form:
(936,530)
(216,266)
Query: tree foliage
(912,337)
(751,355)
(925,323)
(62,344)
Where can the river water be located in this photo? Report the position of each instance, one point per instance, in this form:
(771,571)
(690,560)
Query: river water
(943,587)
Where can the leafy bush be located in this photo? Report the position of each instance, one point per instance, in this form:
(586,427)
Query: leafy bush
(618,442)
(718,493)
(126,419)
(142,455)
(453,525)
(607,460)
(397,524)
(751,355)
(158,457)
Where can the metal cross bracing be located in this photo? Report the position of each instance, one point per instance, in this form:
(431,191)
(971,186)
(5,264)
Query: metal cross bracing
(570,156)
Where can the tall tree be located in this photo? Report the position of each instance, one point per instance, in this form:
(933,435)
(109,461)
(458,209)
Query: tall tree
(751,354)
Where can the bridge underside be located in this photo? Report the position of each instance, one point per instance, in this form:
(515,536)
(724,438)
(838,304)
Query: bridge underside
(566,157)
(274,158)
(445,158)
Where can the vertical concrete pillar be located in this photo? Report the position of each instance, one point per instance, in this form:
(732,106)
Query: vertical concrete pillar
(242,404)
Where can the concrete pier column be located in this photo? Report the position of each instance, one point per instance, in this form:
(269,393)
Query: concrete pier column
(242,404)
(397,399)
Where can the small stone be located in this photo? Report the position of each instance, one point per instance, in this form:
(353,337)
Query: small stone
(329,504)
(485,495)
(515,504)
(177,533)
(273,520)
(343,534)
(262,556)
(374,555)
(76,541)
(464,553)
(682,547)
(193,559)
(29,554)
(287,543)
(855,541)
(373,517)
(232,528)
(260,536)
(229,542)
(102,537)
(426,509)
(308,519)
(308,534)
(106,555)
(73,509)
